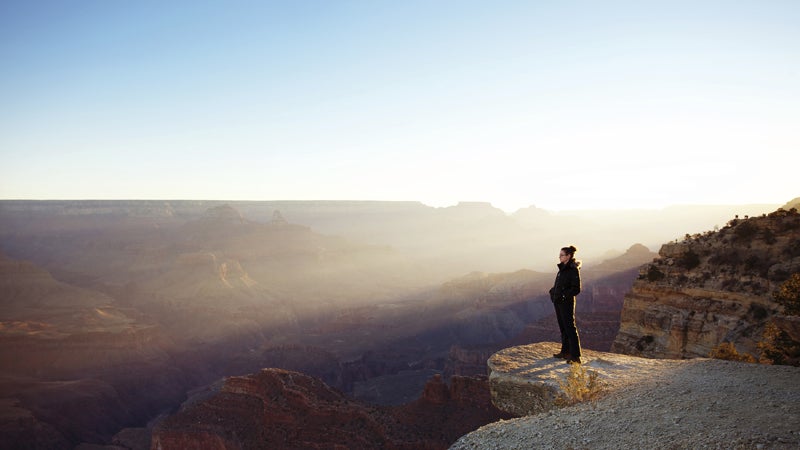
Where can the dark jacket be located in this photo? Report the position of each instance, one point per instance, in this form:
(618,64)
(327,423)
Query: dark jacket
(568,281)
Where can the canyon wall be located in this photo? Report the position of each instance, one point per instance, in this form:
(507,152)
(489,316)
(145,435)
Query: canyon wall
(275,408)
(713,288)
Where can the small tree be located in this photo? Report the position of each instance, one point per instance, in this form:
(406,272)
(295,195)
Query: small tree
(788,295)
(727,351)
(777,347)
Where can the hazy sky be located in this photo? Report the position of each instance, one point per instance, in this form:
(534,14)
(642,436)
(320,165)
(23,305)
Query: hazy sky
(562,105)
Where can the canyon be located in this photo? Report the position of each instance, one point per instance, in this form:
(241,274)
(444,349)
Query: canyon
(275,408)
(122,310)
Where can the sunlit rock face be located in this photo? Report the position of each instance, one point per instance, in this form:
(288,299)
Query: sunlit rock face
(712,288)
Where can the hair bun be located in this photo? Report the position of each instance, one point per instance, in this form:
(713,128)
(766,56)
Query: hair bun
(573,249)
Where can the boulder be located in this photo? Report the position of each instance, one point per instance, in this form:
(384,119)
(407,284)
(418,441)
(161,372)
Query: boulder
(527,379)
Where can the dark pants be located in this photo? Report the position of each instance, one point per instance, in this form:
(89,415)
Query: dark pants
(565,313)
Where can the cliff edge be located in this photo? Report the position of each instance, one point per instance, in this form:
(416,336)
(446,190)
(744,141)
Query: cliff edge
(717,287)
(647,403)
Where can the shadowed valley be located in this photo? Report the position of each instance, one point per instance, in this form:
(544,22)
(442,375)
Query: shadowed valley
(115,313)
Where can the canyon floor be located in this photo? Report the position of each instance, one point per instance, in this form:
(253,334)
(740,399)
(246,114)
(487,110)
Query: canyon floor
(663,404)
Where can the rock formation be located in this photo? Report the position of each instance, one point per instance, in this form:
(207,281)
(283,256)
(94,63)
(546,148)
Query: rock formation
(644,403)
(276,408)
(527,379)
(713,288)
(73,362)
(223,214)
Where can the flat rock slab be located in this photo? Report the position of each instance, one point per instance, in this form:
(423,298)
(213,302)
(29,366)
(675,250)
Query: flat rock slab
(524,380)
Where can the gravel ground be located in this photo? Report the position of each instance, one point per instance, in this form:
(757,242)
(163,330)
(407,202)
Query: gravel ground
(691,404)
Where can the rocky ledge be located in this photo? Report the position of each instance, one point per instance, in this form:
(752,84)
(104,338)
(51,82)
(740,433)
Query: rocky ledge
(527,379)
(646,403)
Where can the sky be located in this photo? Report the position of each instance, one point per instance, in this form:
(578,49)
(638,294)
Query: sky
(562,105)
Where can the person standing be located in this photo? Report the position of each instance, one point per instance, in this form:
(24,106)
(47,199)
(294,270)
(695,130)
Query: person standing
(563,292)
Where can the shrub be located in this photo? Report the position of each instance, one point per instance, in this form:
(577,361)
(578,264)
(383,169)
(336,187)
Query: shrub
(757,265)
(727,351)
(579,386)
(777,347)
(757,312)
(730,257)
(793,249)
(689,260)
(769,236)
(745,231)
(653,274)
(769,351)
(788,295)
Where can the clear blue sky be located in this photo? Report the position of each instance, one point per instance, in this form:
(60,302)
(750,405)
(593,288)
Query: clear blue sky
(561,105)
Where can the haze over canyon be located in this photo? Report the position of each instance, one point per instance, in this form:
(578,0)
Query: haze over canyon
(115,313)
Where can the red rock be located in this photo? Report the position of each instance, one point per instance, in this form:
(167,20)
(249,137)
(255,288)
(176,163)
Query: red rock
(276,408)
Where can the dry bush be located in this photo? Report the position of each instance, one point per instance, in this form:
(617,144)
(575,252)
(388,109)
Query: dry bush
(727,351)
(769,352)
(788,295)
(579,386)
(777,347)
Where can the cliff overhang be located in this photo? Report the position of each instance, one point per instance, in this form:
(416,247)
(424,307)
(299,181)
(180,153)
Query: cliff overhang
(527,379)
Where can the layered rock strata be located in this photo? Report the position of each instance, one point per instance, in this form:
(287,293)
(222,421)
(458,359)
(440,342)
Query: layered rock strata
(683,322)
(715,288)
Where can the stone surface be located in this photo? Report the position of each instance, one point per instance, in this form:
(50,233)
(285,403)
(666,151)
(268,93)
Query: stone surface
(653,404)
(525,379)
(678,322)
(713,288)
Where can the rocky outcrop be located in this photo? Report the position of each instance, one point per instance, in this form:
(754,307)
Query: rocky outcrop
(275,408)
(669,322)
(527,379)
(270,409)
(647,403)
(467,361)
(223,214)
(712,288)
